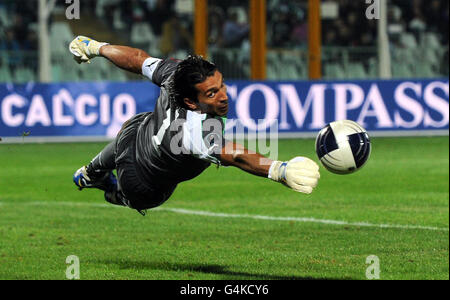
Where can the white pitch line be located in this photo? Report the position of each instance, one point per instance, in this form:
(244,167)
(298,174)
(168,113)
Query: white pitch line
(244,216)
(297,219)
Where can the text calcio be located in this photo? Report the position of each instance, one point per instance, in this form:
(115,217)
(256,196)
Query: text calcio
(404,105)
(85,110)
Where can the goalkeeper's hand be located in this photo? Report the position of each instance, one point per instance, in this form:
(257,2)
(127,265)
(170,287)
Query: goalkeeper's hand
(84,49)
(300,174)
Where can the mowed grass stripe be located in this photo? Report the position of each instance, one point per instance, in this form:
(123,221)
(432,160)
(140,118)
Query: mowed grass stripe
(247,216)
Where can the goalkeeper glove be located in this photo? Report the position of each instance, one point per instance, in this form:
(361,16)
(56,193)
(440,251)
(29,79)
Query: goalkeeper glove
(84,49)
(301,174)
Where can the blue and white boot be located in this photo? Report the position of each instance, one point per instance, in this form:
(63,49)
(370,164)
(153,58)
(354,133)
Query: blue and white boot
(106,182)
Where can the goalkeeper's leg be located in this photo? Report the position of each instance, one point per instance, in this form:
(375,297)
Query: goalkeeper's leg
(104,162)
(99,172)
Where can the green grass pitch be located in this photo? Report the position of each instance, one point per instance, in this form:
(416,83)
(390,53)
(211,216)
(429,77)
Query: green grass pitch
(44,219)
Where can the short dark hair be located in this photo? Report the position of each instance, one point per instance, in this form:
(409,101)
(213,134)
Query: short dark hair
(189,72)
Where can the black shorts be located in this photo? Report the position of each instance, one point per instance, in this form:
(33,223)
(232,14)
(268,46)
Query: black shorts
(138,194)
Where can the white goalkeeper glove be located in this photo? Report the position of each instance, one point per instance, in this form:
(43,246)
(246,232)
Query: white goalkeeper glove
(84,49)
(300,174)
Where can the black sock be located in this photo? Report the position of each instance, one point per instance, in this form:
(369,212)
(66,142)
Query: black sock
(103,163)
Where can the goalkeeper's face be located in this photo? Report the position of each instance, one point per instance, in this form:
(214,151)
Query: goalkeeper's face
(212,96)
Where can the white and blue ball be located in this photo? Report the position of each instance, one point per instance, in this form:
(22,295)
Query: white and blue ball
(343,147)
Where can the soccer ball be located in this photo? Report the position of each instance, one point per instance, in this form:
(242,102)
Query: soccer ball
(343,147)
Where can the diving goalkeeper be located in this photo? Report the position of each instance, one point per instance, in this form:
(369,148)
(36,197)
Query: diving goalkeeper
(155,151)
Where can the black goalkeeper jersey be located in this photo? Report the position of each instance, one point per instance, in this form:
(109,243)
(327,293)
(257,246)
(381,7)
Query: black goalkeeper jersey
(174,144)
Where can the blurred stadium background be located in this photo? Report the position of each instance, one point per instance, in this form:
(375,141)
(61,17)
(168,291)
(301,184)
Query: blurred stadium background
(391,73)
(417,32)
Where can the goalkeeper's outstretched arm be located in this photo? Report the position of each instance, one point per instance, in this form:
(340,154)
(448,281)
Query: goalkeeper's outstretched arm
(252,162)
(127,58)
(300,173)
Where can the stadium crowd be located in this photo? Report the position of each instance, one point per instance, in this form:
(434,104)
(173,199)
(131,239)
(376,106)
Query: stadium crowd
(229,23)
